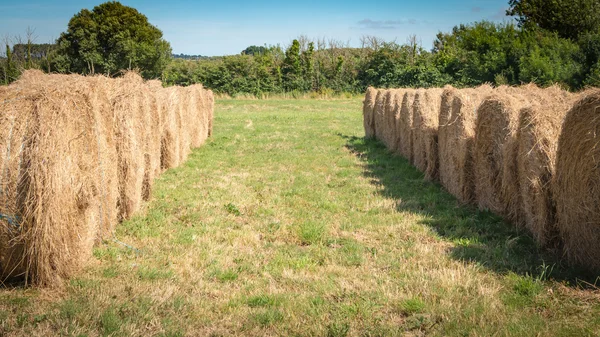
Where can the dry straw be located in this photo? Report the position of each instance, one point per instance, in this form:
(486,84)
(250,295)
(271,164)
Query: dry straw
(495,131)
(379,116)
(538,132)
(58,198)
(577,182)
(368,112)
(455,140)
(395,107)
(390,132)
(530,96)
(426,109)
(405,125)
(77,153)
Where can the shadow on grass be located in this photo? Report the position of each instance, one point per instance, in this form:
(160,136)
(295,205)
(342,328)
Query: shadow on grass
(479,236)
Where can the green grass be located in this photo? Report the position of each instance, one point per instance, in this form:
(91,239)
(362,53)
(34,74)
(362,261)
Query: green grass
(288,222)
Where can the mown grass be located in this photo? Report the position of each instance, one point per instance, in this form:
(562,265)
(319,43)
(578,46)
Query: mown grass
(289,223)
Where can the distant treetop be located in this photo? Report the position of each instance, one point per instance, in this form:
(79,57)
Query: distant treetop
(113,37)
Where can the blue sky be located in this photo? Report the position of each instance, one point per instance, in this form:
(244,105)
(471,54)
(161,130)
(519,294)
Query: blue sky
(222,28)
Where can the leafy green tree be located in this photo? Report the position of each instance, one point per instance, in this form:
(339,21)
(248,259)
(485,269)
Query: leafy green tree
(111,38)
(475,54)
(308,66)
(254,50)
(549,59)
(569,18)
(291,69)
(10,70)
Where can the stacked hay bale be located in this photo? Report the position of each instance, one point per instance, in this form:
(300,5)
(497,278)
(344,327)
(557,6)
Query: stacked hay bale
(183,118)
(77,153)
(390,115)
(13,132)
(198,107)
(425,131)
(576,182)
(132,142)
(456,137)
(500,148)
(379,115)
(405,125)
(538,133)
(495,127)
(368,112)
(395,108)
(57,196)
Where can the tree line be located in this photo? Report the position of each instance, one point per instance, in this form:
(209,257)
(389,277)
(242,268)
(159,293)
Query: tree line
(549,42)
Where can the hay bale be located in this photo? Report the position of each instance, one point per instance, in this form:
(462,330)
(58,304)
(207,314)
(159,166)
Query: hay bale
(405,125)
(58,199)
(77,154)
(539,129)
(445,139)
(532,97)
(170,134)
(379,115)
(495,127)
(394,105)
(456,137)
(368,109)
(182,117)
(576,183)
(389,126)
(131,143)
(199,106)
(17,107)
(103,128)
(426,108)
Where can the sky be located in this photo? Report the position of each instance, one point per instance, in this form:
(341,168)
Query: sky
(214,28)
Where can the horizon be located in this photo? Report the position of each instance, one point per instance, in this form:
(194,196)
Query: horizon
(209,29)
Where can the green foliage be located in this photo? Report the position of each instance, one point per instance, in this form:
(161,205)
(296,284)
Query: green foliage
(504,54)
(554,42)
(569,18)
(549,59)
(291,68)
(254,50)
(111,38)
(475,54)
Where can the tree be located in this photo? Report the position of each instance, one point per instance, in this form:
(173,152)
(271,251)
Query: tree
(291,68)
(254,50)
(111,38)
(568,18)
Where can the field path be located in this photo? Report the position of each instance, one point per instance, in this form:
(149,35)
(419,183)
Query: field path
(287,222)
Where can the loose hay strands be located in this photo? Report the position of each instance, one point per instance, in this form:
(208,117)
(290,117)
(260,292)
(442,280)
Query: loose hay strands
(368,112)
(455,140)
(77,154)
(577,182)
(424,131)
(405,125)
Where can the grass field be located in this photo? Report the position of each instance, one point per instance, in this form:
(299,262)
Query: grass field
(289,223)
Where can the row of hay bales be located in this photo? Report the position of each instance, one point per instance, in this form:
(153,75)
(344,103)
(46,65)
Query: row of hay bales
(78,155)
(529,154)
